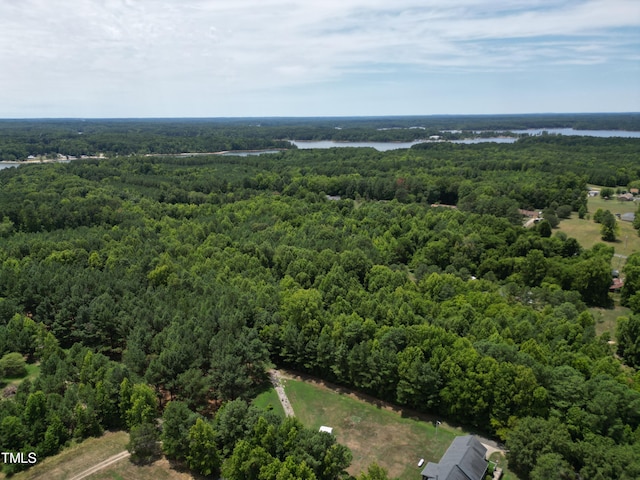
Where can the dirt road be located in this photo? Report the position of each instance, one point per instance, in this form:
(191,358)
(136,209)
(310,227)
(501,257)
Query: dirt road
(284,400)
(101,465)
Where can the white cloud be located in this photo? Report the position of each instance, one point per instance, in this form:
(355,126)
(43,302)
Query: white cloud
(79,49)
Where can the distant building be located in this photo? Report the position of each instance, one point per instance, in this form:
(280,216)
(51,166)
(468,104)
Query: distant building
(594,193)
(625,197)
(628,217)
(437,205)
(616,285)
(529,213)
(463,460)
(634,191)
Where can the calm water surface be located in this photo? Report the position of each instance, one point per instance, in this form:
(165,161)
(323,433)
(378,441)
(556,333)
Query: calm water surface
(381,146)
(9,165)
(384,146)
(485,140)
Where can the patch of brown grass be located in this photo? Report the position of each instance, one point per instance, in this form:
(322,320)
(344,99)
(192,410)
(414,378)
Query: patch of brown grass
(77,458)
(158,470)
(82,456)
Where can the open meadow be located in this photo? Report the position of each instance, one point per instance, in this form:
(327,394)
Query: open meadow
(587,232)
(374,431)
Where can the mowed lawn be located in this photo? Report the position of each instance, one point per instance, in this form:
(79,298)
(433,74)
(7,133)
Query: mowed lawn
(373,433)
(587,232)
(268,400)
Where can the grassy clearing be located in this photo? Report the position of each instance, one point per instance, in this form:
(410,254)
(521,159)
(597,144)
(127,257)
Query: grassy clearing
(124,469)
(374,433)
(606,318)
(80,457)
(77,458)
(587,232)
(268,400)
(33,370)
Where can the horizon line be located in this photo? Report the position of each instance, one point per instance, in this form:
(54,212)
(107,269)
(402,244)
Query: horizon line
(434,115)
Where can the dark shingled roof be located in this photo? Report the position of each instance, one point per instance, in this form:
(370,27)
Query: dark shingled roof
(463,460)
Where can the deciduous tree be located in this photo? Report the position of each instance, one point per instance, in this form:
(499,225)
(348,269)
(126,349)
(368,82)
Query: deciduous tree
(143,442)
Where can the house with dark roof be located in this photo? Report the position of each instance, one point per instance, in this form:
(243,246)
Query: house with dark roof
(463,460)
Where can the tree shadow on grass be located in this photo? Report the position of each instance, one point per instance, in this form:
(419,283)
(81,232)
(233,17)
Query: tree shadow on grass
(181,467)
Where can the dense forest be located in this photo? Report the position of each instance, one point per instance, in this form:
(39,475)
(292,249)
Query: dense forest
(163,287)
(20,139)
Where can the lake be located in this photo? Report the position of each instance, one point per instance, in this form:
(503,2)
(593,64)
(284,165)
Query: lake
(384,146)
(248,153)
(9,164)
(485,140)
(381,146)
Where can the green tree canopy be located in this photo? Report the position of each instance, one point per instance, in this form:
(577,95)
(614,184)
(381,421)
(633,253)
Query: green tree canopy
(143,443)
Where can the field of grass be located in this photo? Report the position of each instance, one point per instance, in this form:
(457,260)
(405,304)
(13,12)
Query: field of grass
(606,318)
(80,457)
(373,432)
(76,458)
(33,370)
(125,470)
(268,400)
(587,232)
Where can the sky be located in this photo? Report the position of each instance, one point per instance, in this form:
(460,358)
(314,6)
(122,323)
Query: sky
(239,58)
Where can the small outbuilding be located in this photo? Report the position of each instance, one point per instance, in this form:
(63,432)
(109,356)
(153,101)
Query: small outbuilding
(329,430)
(628,217)
(616,285)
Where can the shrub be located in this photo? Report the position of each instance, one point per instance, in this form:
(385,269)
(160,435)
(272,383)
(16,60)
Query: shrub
(13,365)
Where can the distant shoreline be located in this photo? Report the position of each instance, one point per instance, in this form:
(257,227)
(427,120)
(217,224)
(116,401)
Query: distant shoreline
(32,161)
(63,159)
